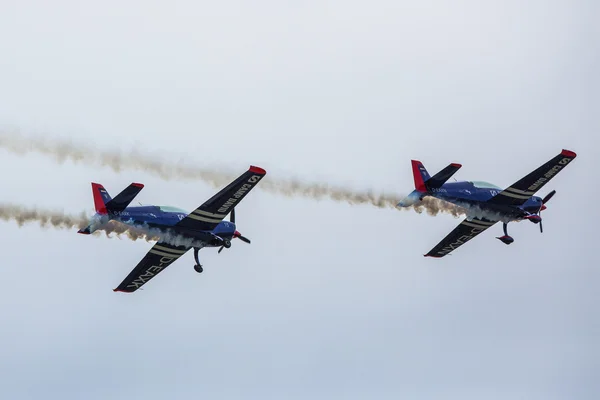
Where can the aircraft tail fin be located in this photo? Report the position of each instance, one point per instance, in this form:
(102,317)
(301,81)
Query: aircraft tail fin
(105,204)
(424,183)
(101,197)
(106,207)
(420,176)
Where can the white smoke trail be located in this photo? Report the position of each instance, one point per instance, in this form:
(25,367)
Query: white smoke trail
(56,219)
(65,150)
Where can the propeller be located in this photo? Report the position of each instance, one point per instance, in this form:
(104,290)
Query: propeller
(544,201)
(548,197)
(242,238)
(236,234)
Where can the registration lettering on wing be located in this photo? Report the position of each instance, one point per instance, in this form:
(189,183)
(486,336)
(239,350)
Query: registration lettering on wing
(461,240)
(151,272)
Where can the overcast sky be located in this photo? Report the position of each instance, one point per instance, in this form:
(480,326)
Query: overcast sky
(329,300)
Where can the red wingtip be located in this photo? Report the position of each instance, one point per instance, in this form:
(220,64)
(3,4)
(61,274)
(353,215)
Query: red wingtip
(568,153)
(427,255)
(83,232)
(139,185)
(456,165)
(257,170)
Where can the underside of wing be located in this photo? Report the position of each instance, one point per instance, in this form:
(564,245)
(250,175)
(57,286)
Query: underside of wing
(464,232)
(519,192)
(160,256)
(211,213)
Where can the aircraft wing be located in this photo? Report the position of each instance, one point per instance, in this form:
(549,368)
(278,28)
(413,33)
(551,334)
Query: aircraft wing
(464,232)
(519,192)
(208,215)
(160,256)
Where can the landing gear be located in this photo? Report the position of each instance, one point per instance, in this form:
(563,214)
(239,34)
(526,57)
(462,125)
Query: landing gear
(197,267)
(506,239)
(227,243)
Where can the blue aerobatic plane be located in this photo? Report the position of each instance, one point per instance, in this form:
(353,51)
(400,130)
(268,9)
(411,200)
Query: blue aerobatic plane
(485,203)
(203,227)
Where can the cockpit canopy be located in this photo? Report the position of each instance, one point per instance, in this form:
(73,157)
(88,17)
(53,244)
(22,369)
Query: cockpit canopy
(172,209)
(484,185)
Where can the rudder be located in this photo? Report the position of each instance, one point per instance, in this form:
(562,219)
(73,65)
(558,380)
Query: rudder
(101,198)
(420,175)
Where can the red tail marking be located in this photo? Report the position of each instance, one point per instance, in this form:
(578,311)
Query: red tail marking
(139,185)
(419,184)
(98,200)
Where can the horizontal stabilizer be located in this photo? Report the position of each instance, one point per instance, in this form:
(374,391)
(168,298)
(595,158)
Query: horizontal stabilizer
(95,223)
(85,231)
(412,199)
(122,200)
(441,177)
